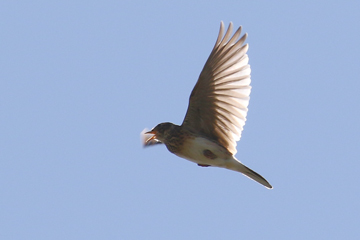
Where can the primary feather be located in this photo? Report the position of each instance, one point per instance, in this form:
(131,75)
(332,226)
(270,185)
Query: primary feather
(218,103)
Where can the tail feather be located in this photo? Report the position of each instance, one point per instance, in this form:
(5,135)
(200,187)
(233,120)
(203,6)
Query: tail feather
(238,166)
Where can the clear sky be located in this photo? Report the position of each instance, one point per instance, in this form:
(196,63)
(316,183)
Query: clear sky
(80,80)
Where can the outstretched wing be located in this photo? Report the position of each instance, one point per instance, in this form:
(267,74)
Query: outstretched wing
(218,103)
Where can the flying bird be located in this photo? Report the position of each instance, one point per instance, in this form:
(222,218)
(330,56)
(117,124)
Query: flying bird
(217,110)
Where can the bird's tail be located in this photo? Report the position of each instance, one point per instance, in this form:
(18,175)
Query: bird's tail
(236,165)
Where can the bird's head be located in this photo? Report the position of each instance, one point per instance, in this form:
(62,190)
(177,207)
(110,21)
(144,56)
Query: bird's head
(160,133)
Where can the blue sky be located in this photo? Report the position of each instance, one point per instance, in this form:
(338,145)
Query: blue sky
(80,80)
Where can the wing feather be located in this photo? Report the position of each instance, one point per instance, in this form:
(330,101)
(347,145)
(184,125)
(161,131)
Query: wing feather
(218,103)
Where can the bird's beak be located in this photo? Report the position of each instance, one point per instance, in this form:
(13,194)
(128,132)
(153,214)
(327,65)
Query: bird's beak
(150,132)
(151,140)
(148,138)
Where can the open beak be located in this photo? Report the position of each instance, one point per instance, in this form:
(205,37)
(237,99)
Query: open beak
(149,140)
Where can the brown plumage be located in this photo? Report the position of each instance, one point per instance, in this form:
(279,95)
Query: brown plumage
(217,110)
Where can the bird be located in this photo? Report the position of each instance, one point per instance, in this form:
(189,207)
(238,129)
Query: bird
(217,110)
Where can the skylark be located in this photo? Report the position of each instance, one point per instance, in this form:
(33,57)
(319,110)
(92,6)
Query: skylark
(217,110)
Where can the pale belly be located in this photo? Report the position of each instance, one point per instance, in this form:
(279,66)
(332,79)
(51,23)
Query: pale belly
(203,151)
